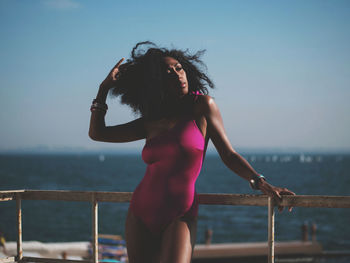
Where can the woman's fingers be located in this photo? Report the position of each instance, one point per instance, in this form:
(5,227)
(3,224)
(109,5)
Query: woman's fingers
(109,81)
(118,64)
(115,70)
(290,208)
(279,198)
(276,193)
(285,191)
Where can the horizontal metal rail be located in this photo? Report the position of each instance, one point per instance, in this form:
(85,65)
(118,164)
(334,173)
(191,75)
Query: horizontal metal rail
(123,197)
(207,199)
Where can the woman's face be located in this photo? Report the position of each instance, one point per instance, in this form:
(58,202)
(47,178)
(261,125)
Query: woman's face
(176,79)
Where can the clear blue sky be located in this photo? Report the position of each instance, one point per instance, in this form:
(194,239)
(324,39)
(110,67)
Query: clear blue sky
(281,68)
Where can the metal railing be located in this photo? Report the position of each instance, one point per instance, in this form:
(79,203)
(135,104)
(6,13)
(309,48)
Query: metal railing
(122,197)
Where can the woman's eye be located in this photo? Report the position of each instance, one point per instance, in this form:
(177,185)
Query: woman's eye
(169,70)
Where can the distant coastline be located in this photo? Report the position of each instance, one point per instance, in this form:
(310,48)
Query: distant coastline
(136,151)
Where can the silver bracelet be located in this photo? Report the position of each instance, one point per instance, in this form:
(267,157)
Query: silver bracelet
(254,182)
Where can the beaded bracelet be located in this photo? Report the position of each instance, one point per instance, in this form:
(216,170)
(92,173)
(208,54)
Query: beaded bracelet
(93,108)
(100,104)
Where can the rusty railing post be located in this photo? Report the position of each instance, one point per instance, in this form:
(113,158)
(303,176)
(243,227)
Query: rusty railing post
(271,230)
(94,229)
(19,227)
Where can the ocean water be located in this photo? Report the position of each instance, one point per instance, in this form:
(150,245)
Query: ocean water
(59,221)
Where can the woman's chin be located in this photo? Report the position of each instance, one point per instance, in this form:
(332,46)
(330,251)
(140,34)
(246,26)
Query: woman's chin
(183,91)
(179,92)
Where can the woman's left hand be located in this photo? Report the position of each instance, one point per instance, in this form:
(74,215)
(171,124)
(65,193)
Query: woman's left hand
(276,193)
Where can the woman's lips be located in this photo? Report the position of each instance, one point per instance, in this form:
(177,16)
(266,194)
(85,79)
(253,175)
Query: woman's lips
(181,85)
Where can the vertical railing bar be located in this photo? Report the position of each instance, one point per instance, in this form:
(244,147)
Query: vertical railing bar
(271,230)
(19,227)
(94,229)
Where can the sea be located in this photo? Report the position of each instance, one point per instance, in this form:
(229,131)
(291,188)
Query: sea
(60,221)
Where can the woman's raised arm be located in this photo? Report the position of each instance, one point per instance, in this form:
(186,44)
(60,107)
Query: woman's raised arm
(98,131)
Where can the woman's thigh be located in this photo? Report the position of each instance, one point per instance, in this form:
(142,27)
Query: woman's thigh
(178,241)
(141,245)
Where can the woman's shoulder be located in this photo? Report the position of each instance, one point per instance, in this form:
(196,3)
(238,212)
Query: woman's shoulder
(203,99)
(200,96)
(203,103)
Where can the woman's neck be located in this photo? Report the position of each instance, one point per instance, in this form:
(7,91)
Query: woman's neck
(177,107)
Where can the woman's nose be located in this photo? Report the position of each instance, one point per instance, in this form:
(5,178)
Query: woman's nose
(173,70)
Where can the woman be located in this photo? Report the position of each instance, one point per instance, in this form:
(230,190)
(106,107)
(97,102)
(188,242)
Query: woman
(169,90)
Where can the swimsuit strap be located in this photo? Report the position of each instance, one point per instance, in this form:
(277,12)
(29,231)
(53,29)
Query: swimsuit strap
(196,93)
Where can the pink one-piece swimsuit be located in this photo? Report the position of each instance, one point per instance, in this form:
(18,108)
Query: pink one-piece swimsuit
(167,191)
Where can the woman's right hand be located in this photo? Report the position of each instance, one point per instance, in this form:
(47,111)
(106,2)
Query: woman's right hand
(111,78)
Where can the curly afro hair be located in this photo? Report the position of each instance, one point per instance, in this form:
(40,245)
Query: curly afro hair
(141,79)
